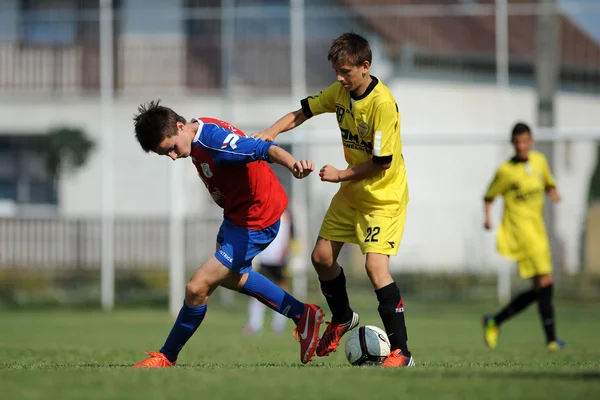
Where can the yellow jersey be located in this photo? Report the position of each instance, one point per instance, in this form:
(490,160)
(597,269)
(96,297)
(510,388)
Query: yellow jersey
(370,129)
(523,185)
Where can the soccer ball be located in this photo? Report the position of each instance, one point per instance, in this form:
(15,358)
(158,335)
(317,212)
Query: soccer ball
(367,345)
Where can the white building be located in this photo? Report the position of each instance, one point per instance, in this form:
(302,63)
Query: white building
(455,121)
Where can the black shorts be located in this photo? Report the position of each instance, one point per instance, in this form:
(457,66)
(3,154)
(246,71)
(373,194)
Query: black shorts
(273,272)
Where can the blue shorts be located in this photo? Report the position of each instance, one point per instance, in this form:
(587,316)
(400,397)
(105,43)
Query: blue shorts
(237,246)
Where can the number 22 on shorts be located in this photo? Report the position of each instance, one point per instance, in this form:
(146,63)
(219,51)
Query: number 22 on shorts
(372,234)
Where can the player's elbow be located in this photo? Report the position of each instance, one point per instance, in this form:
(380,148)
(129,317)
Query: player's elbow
(382,167)
(382,163)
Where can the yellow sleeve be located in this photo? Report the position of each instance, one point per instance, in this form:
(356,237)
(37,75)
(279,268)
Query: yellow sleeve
(323,102)
(497,187)
(549,180)
(387,132)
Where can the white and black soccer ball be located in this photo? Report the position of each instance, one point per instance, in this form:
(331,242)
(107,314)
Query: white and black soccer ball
(367,345)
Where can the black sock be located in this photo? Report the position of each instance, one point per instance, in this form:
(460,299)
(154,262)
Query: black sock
(391,311)
(546,310)
(337,298)
(517,305)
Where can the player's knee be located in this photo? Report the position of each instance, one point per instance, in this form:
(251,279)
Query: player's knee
(377,263)
(545,280)
(371,265)
(196,293)
(377,271)
(542,281)
(321,259)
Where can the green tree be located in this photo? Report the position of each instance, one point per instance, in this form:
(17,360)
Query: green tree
(66,149)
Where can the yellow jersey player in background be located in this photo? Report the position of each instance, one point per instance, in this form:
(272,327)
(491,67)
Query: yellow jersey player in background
(523,181)
(370,207)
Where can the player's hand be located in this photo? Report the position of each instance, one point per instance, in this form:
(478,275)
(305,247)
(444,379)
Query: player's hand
(264,135)
(487,224)
(555,196)
(329,174)
(302,168)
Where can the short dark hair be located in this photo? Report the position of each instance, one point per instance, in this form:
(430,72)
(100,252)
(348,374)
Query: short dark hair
(154,123)
(519,128)
(350,48)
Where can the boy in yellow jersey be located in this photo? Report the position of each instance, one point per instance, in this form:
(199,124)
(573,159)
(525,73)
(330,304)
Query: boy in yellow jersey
(370,207)
(523,181)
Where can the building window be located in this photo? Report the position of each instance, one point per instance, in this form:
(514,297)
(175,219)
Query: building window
(24,177)
(49,22)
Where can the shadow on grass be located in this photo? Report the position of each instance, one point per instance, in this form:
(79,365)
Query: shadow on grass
(518,375)
(414,373)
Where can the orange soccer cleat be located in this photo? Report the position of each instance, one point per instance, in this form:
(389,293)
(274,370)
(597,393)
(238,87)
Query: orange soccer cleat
(334,332)
(397,359)
(156,360)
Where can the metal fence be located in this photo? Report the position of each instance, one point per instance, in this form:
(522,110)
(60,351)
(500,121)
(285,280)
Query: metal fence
(75,243)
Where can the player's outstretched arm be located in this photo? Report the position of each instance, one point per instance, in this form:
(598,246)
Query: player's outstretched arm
(487,209)
(285,123)
(300,169)
(497,187)
(331,174)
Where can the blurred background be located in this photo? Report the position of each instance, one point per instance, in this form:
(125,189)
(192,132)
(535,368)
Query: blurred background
(87,218)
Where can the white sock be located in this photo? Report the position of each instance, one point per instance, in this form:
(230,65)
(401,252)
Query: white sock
(256,315)
(278,322)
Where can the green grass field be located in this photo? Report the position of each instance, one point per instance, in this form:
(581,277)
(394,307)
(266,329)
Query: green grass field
(87,355)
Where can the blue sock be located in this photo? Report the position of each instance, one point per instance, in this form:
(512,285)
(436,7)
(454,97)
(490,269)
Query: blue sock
(188,320)
(273,296)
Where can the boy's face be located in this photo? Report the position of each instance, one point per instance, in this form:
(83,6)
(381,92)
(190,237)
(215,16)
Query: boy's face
(522,144)
(178,146)
(351,77)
